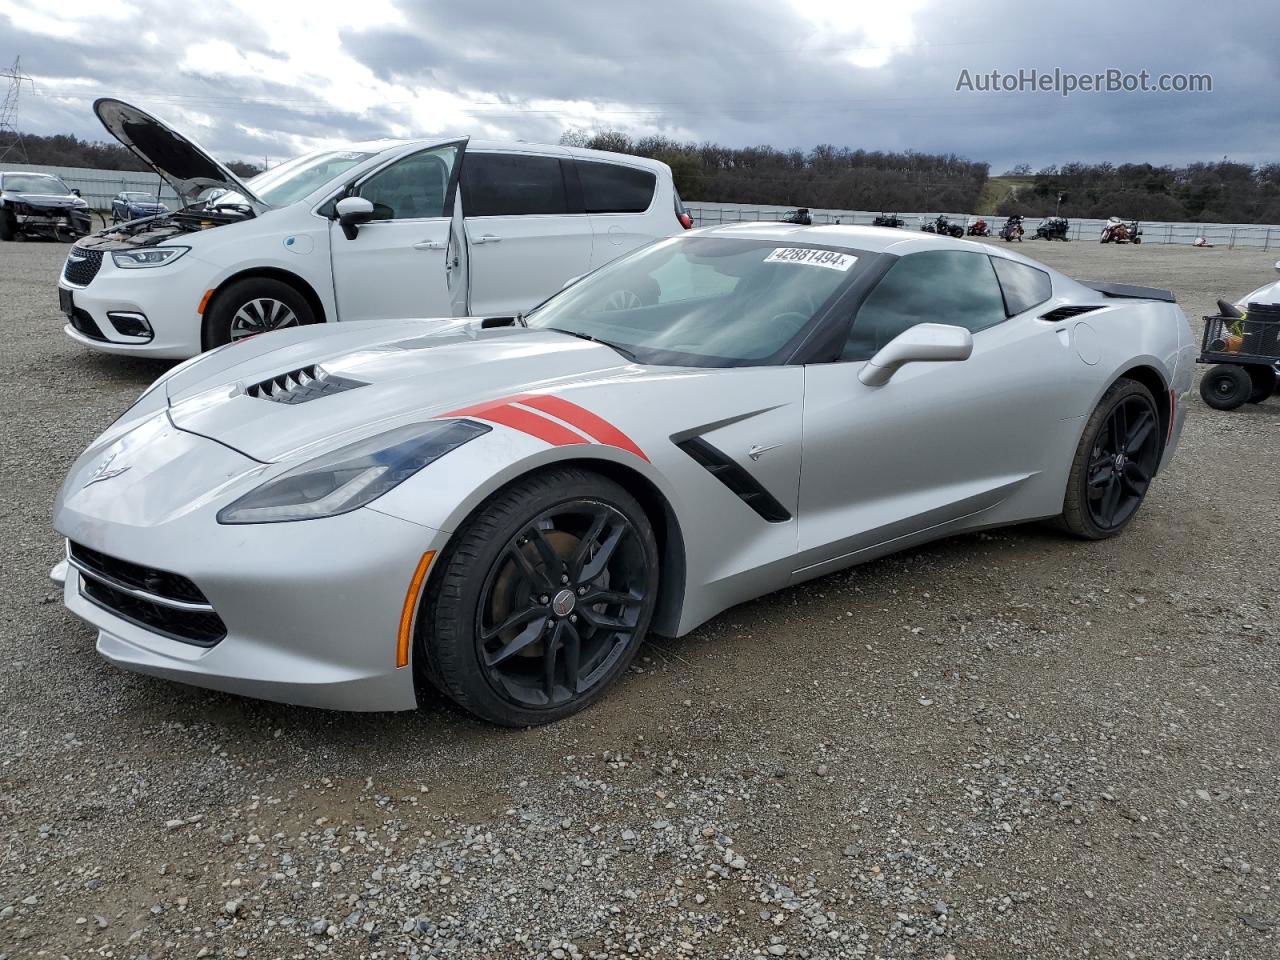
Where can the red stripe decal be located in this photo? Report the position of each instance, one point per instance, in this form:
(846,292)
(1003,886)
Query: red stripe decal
(595,427)
(531,423)
(480,409)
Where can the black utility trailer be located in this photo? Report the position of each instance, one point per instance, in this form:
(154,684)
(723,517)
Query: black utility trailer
(1245,348)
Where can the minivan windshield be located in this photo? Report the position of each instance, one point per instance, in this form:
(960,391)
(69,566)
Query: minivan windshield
(294,179)
(34,183)
(703,301)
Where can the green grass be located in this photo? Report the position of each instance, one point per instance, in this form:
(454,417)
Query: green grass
(998,188)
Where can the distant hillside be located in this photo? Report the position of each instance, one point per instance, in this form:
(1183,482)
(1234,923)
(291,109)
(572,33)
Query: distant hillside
(998,189)
(64,150)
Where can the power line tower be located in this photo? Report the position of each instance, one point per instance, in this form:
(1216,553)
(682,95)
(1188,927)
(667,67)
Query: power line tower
(10,137)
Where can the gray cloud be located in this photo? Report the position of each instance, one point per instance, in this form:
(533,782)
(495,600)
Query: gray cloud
(734,72)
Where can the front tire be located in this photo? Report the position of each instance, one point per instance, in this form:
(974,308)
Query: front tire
(7,227)
(1114,463)
(252,306)
(1226,386)
(543,599)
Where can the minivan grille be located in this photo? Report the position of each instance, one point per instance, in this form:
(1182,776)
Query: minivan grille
(299,386)
(156,600)
(82,266)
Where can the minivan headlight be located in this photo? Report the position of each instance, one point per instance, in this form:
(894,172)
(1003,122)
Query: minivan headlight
(352,476)
(146,257)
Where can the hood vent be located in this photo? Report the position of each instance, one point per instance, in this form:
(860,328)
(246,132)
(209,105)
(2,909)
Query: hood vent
(1066,313)
(301,385)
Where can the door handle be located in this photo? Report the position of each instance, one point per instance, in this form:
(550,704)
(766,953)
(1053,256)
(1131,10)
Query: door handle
(429,245)
(486,238)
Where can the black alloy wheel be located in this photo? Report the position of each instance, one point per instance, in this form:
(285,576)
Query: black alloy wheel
(1115,461)
(1123,461)
(542,599)
(562,603)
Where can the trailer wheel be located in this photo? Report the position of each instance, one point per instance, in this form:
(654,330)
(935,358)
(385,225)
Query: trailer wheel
(1226,386)
(1264,382)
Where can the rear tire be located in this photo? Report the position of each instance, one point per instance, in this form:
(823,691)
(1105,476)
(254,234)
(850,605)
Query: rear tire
(252,306)
(1264,383)
(510,631)
(1114,464)
(1226,386)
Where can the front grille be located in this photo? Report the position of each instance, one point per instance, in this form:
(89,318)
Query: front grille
(138,593)
(82,266)
(299,386)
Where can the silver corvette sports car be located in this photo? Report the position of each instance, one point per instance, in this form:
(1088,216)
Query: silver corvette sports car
(348,515)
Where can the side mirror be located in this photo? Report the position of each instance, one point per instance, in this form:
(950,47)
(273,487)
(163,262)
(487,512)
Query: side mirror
(75,191)
(1278,266)
(925,342)
(353,211)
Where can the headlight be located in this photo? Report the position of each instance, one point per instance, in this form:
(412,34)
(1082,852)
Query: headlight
(349,478)
(146,257)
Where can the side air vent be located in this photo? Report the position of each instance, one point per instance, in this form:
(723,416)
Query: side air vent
(739,481)
(1066,313)
(299,386)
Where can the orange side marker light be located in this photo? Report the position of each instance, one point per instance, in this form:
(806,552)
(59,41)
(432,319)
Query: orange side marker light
(411,607)
(204,302)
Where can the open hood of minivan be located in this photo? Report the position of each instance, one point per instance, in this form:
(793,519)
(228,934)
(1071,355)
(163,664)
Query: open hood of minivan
(184,165)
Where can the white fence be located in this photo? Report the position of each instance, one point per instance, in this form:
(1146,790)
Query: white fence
(1262,236)
(99,186)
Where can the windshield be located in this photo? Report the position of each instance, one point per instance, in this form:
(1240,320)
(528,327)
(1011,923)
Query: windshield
(703,301)
(294,179)
(34,183)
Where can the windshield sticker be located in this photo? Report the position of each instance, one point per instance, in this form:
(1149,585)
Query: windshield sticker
(817,258)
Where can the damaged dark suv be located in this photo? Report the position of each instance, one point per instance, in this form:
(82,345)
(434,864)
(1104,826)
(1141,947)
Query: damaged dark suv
(41,205)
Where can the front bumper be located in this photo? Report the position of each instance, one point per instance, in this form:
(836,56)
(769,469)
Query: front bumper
(54,221)
(311,608)
(168,297)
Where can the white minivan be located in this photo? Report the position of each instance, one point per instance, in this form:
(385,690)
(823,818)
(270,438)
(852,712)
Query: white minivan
(454,227)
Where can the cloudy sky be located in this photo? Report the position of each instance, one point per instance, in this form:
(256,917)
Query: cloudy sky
(255,78)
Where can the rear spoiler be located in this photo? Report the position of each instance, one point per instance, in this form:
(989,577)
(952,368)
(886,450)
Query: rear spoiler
(1130,292)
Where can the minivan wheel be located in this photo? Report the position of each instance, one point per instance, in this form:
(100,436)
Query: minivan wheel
(252,306)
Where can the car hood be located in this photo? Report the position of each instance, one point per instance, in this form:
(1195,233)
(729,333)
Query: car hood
(1267,293)
(184,165)
(380,374)
(46,199)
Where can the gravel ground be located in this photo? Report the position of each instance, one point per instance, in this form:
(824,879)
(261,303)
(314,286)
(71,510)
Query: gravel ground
(1001,745)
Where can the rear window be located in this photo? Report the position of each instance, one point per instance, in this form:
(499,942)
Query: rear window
(1023,286)
(613,188)
(511,185)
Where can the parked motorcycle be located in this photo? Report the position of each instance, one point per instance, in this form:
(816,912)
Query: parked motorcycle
(888,220)
(944,227)
(1012,229)
(1053,228)
(979,228)
(1116,230)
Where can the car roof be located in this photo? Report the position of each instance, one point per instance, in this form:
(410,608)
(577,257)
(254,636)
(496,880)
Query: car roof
(870,239)
(513,146)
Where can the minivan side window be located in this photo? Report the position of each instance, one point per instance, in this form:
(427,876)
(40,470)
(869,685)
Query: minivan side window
(613,188)
(414,188)
(511,185)
(937,286)
(1024,287)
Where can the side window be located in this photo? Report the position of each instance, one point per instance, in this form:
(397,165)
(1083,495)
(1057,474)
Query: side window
(1023,286)
(413,188)
(511,185)
(613,188)
(938,286)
